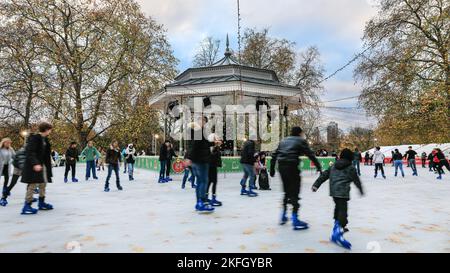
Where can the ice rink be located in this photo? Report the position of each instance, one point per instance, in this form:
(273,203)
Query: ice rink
(396,215)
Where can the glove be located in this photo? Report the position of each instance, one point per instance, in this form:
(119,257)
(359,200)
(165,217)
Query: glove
(314,189)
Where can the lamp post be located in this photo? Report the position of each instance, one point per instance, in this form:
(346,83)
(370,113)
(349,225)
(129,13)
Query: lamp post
(155,139)
(24,134)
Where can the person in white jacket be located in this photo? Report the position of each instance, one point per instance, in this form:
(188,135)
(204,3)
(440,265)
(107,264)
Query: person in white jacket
(378,160)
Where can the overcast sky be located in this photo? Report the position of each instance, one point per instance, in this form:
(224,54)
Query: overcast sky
(335,27)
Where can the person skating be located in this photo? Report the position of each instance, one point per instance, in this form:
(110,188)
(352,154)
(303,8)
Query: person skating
(410,155)
(341,175)
(366,159)
(215,163)
(440,161)
(130,159)
(287,155)
(101,160)
(170,155)
(423,157)
(7,154)
(263,177)
(72,155)
(431,166)
(37,170)
(397,157)
(248,165)
(90,153)
(113,159)
(18,164)
(378,160)
(187,171)
(357,160)
(125,165)
(163,162)
(199,157)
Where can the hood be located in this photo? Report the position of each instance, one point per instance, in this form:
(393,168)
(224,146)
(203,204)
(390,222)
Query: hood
(342,164)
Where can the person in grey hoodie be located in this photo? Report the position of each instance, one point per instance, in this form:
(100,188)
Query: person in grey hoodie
(378,160)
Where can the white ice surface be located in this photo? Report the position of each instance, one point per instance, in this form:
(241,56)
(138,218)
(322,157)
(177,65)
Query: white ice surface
(396,215)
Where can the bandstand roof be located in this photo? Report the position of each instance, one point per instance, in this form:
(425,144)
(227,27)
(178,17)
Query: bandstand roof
(227,76)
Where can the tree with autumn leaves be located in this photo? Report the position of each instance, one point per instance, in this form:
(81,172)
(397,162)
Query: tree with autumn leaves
(90,65)
(406,71)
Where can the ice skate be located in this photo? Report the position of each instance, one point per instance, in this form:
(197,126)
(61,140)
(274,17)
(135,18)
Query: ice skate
(28,210)
(337,237)
(297,224)
(44,206)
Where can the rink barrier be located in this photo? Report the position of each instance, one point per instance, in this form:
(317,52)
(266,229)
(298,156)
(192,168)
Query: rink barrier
(229,164)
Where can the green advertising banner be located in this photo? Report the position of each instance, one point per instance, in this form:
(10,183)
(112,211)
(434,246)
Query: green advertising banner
(229,164)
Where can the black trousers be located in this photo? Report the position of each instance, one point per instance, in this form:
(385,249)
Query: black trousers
(424,162)
(380,167)
(290,175)
(340,210)
(212,179)
(14,180)
(70,166)
(6,175)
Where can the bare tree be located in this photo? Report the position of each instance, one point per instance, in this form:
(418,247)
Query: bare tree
(208,53)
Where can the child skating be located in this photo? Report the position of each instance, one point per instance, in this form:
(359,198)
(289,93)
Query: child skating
(216,162)
(113,159)
(341,175)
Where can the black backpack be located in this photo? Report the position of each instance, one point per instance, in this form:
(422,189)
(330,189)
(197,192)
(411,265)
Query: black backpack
(20,158)
(263,180)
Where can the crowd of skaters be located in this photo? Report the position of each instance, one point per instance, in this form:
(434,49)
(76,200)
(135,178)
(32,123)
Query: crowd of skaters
(34,162)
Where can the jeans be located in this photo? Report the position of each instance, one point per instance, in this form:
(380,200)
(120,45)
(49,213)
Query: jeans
(162,170)
(130,169)
(186,175)
(399,164)
(201,174)
(111,168)
(90,165)
(412,164)
(357,166)
(248,172)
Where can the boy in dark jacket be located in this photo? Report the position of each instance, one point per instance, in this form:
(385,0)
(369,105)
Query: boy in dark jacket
(37,171)
(71,161)
(216,162)
(341,175)
(287,154)
(113,159)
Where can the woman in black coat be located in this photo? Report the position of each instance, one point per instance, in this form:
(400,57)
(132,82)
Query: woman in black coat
(37,171)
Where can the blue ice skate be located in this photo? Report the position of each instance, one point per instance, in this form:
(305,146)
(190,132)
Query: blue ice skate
(337,237)
(27,209)
(284,218)
(3,202)
(203,208)
(44,206)
(297,224)
(215,202)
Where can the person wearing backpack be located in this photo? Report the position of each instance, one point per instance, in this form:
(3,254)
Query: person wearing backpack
(341,175)
(18,163)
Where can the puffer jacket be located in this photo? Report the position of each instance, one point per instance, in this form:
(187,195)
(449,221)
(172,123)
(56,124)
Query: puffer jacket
(4,161)
(341,175)
(378,157)
(113,156)
(19,159)
(289,151)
